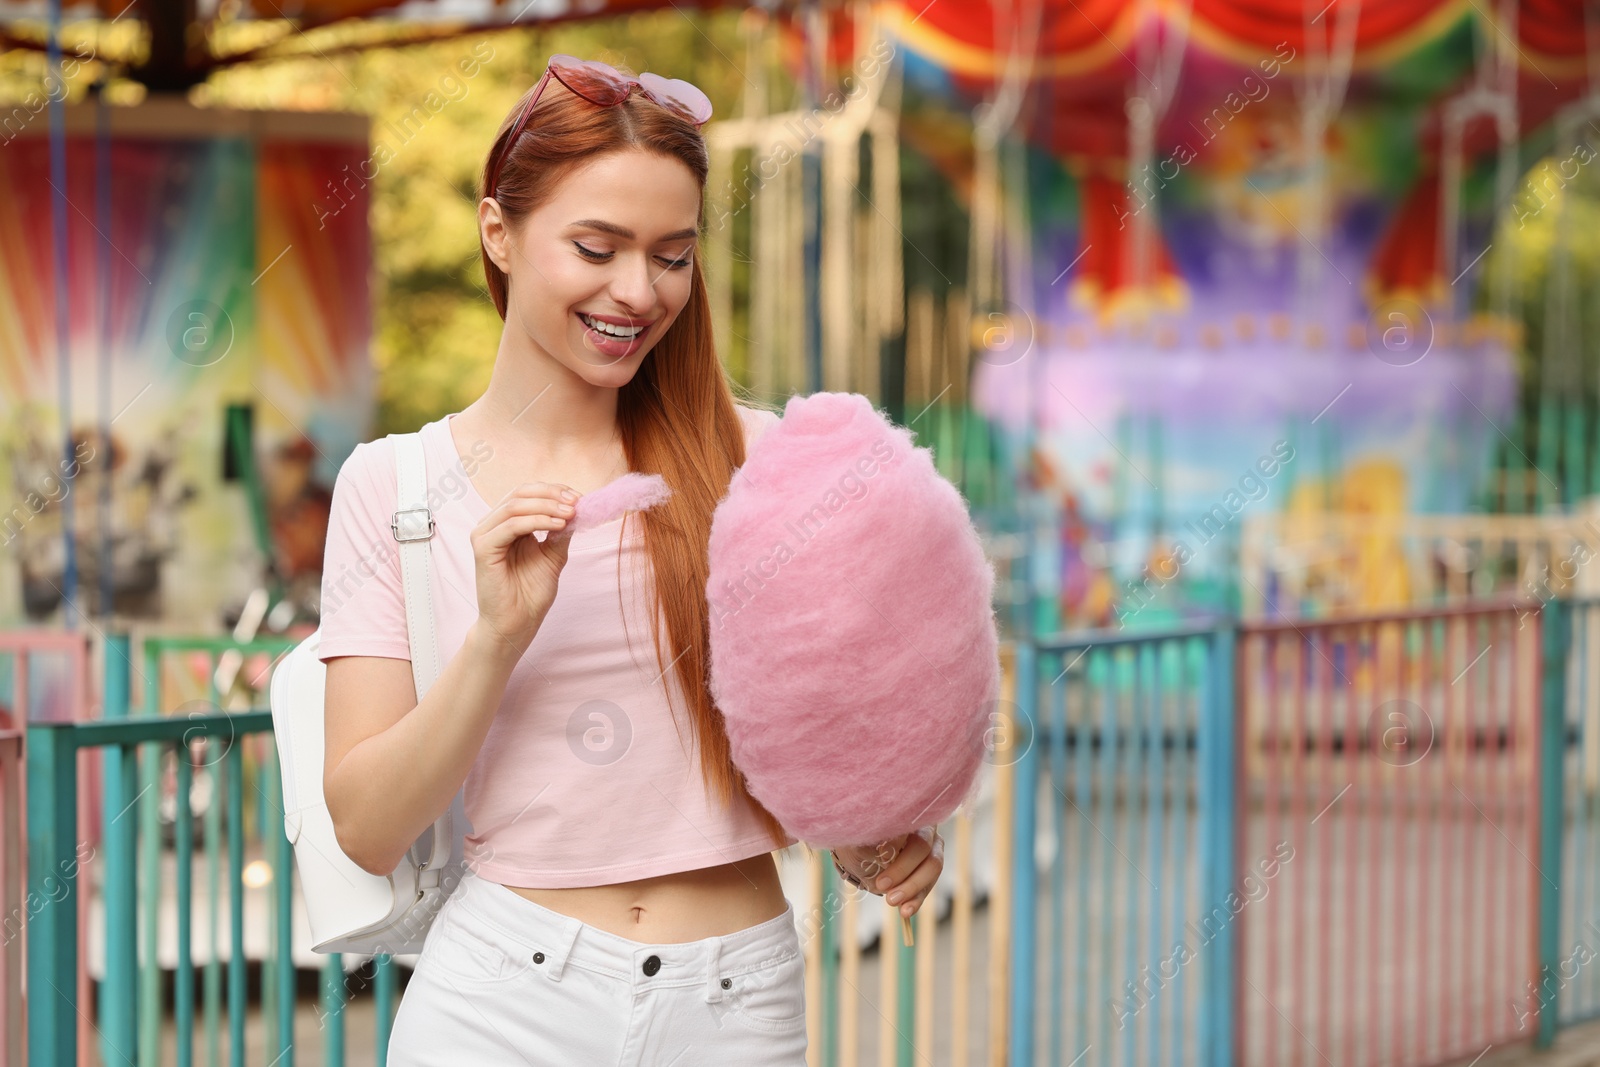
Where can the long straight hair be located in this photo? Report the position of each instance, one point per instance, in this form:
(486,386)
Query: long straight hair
(677,415)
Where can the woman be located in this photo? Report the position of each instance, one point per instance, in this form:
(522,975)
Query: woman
(622,904)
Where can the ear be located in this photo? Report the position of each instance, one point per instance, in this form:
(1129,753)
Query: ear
(496,236)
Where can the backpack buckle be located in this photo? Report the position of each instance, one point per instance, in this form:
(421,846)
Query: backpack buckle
(415,530)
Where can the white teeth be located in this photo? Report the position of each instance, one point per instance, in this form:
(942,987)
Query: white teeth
(606,328)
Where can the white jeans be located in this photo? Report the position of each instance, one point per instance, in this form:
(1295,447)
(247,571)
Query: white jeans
(505,982)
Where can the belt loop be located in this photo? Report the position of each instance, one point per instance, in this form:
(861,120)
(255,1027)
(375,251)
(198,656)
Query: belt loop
(566,939)
(713,966)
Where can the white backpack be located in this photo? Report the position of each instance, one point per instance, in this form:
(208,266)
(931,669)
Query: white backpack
(351,910)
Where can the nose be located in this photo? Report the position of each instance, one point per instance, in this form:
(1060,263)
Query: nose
(633,285)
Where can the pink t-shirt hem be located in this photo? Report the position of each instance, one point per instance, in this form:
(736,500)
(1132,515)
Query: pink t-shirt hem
(328,649)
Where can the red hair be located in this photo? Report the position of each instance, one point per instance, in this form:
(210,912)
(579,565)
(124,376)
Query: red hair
(677,415)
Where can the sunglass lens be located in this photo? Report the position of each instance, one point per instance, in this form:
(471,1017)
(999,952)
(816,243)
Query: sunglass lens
(596,82)
(678,95)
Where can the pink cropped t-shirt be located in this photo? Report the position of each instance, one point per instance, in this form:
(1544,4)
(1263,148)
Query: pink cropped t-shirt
(585,777)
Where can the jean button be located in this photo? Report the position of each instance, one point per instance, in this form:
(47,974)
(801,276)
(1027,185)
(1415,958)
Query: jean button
(652,964)
(538,957)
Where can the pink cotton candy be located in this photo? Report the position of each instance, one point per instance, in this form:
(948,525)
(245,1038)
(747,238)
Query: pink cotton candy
(629,492)
(854,651)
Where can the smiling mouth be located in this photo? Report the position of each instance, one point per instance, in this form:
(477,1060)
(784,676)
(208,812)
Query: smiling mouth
(606,329)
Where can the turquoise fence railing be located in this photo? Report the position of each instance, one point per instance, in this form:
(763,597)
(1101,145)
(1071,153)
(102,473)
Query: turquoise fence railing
(11,878)
(54,1008)
(164,746)
(1123,850)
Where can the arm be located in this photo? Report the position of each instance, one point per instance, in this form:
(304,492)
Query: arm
(394,764)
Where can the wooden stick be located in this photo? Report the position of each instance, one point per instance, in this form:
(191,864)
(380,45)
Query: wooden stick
(905,930)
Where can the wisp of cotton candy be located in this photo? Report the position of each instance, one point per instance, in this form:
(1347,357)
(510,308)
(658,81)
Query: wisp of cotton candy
(632,491)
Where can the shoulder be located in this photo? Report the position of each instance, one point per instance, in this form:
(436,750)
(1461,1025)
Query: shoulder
(364,489)
(370,463)
(757,421)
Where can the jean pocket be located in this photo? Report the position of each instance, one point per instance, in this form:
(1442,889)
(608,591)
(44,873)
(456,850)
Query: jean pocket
(770,996)
(461,950)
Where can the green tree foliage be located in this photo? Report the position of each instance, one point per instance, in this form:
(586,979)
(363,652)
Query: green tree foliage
(1547,242)
(1559,201)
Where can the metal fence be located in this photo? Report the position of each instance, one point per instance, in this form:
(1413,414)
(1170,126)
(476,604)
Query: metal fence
(1295,842)
(44,676)
(1572,977)
(1390,765)
(11,879)
(1122,837)
(1362,840)
(243,868)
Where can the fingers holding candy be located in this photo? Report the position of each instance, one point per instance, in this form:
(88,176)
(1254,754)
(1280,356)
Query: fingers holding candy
(909,892)
(902,870)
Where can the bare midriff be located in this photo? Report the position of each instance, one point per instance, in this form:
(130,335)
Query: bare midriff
(673,908)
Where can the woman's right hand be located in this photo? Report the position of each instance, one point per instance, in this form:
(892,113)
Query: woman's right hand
(516,572)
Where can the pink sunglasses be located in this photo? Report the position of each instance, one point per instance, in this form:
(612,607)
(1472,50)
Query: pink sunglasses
(602,84)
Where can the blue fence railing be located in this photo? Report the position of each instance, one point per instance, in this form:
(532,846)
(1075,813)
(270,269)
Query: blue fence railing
(1125,789)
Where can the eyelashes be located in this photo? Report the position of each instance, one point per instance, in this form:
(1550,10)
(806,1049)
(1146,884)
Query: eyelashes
(601,257)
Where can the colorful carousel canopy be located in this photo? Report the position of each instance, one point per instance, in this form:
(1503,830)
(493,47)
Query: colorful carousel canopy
(1316,186)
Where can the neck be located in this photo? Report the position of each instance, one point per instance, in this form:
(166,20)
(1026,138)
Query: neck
(542,408)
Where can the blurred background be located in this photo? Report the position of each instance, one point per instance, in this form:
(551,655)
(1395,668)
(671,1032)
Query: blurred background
(1260,337)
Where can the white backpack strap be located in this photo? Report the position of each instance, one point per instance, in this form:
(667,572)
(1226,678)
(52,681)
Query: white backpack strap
(413,528)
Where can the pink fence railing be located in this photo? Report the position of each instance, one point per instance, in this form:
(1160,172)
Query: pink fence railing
(1388,814)
(44,676)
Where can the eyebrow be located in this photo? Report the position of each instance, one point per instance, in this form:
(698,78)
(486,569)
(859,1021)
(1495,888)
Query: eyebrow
(627,234)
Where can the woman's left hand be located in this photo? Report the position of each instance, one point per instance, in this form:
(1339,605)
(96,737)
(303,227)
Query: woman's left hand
(902,870)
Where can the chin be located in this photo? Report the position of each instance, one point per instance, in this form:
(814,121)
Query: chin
(614,375)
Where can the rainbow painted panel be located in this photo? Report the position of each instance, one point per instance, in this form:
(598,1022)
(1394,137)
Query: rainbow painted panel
(200,273)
